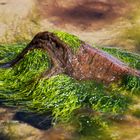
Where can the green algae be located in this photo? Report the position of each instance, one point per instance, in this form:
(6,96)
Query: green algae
(132,59)
(61,94)
(71,40)
(129,82)
(19,78)
(10,51)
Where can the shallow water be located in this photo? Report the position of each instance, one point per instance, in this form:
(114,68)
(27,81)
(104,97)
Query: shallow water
(121,127)
(108,127)
(117,130)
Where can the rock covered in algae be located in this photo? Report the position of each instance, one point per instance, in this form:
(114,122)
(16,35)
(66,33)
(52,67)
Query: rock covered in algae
(52,74)
(87,63)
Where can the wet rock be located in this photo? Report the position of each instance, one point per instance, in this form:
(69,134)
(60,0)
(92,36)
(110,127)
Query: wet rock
(88,63)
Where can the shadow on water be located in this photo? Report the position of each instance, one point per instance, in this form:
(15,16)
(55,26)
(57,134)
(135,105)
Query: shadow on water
(42,122)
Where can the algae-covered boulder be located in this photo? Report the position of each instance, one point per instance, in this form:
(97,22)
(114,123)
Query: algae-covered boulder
(58,73)
(87,63)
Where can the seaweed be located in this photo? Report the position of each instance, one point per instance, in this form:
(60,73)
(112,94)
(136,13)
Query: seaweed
(22,86)
(131,83)
(71,40)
